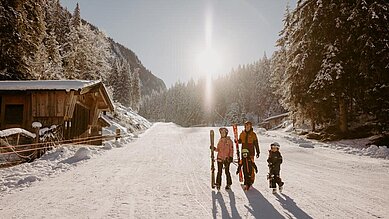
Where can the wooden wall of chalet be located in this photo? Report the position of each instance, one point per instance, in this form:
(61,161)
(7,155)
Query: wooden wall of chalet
(48,107)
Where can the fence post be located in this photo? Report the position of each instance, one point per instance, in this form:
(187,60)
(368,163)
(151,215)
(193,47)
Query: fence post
(117,134)
(36,126)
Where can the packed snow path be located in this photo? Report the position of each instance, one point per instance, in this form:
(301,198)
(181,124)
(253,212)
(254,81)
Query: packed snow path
(166,174)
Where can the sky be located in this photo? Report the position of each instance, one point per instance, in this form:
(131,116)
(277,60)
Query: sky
(178,40)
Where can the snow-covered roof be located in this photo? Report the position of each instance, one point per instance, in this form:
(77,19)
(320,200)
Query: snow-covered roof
(277,116)
(14,131)
(46,85)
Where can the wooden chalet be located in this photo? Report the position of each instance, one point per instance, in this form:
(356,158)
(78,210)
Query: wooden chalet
(273,121)
(74,105)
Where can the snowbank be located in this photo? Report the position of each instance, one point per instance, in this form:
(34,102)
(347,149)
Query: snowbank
(125,119)
(353,146)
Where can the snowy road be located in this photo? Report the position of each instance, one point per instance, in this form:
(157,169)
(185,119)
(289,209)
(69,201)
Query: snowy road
(166,174)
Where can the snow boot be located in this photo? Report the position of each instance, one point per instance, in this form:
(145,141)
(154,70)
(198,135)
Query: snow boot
(218,187)
(228,187)
(274,191)
(280,187)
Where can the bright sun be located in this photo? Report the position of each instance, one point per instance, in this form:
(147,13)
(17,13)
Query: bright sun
(209,61)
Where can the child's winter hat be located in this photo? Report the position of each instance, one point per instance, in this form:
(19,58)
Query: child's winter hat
(275,144)
(245,152)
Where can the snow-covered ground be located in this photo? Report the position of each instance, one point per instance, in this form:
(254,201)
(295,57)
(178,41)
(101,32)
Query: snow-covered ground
(165,173)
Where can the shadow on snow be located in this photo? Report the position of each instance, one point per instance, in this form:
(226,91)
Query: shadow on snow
(218,197)
(260,207)
(288,204)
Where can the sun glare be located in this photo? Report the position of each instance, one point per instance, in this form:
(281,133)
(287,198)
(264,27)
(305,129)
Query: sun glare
(209,61)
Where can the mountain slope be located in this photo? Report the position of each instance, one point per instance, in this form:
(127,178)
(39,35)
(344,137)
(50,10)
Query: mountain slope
(149,82)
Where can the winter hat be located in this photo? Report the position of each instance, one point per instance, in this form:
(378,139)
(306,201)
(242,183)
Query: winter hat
(245,152)
(275,144)
(248,123)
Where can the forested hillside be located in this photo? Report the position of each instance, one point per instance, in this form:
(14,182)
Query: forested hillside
(244,93)
(41,40)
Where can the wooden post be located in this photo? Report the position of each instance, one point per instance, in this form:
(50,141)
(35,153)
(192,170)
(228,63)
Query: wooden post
(37,155)
(36,126)
(117,134)
(343,115)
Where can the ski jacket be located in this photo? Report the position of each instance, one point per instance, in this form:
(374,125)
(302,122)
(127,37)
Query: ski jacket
(248,166)
(224,148)
(249,141)
(274,160)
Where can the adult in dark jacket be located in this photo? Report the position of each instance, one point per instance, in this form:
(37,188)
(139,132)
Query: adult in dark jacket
(274,162)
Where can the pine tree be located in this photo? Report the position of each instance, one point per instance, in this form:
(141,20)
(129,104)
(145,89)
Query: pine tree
(23,30)
(121,82)
(135,90)
(12,62)
(76,19)
(54,69)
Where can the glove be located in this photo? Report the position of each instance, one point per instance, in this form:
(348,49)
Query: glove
(256,170)
(257,155)
(236,141)
(237,172)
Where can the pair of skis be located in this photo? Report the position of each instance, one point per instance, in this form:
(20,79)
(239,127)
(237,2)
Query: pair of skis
(212,139)
(235,129)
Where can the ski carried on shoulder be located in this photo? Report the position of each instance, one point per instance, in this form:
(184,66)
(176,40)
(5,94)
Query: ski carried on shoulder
(235,128)
(212,138)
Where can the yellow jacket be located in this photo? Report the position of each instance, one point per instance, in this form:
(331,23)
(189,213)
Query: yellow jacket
(249,141)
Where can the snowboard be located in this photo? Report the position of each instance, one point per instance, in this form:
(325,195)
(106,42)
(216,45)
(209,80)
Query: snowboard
(212,138)
(272,179)
(272,182)
(235,129)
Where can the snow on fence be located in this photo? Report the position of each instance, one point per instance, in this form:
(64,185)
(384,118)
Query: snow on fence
(7,149)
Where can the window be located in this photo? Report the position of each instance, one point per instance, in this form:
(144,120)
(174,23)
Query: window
(14,114)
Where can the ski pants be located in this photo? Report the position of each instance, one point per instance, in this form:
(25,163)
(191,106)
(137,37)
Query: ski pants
(275,179)
(249,176)
(220,165)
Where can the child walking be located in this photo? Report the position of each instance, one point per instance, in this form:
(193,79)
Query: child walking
(248,168)
(274,163)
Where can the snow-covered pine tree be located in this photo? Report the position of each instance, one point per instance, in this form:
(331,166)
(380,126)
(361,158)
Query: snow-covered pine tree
(36,33)
(54,69)
(121,82)
(367,41)
(72,55)
(23,29)
(279,59)
(135,90)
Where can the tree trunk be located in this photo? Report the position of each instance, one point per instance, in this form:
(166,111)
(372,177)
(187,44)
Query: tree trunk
(342,115)
(313,124)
